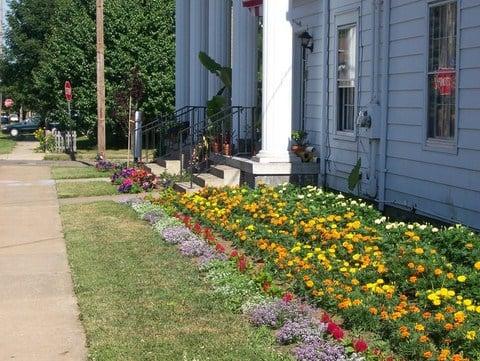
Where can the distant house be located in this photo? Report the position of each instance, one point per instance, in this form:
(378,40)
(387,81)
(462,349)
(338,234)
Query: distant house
(394,83)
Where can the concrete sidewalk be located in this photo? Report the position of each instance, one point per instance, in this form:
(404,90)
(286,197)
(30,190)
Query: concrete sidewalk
(38,310)
(24,150)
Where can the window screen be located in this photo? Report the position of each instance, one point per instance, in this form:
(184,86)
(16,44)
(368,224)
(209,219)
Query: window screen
(442,71)
(346,74)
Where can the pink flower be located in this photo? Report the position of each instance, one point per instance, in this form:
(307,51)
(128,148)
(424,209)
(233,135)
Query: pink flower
(360,345)
(287,297)
(326,318)
(335,330)
(234,254)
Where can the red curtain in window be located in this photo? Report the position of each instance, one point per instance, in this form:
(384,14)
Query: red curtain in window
(255,6)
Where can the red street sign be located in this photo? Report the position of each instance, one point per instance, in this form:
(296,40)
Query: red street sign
(68,91)
(444,81)
(8,103)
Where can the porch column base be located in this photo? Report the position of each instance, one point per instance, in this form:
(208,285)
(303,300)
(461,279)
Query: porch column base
(275,157)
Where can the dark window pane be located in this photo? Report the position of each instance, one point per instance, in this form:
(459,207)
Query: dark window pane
(442,60)
(346,74)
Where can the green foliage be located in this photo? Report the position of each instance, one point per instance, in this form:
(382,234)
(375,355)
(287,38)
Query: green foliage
(355,176)
(60,45)
(221,100)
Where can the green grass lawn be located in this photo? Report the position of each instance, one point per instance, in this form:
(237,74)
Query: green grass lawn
(139,300)
(85,189)
(6,144)
(78,172)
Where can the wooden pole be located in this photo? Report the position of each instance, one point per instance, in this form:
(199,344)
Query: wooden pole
(100,81)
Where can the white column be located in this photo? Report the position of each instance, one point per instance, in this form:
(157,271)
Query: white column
(244,64)
(182,55)
(198,42)
(244,56)
(277,83)
(219,37)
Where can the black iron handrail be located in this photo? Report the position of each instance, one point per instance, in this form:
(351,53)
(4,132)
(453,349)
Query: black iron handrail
(234,131)
(161,132)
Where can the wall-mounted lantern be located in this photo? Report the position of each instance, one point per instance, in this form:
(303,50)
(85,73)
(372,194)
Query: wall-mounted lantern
(307,40)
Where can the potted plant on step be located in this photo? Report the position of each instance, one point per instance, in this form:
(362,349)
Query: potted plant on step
(300,139)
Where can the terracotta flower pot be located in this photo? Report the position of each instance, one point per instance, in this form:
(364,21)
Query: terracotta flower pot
(216,147)
(226,149)
(297,148)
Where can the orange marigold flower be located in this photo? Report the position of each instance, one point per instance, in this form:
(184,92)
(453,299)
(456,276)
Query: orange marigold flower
(373,310)
(404,331)
(423,339)
(411,265)
(420,269)
(427,354)
(448,326)
(413,279)
(437,272)
(426,315)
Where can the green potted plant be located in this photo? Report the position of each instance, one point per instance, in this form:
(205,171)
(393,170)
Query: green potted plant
(300,139)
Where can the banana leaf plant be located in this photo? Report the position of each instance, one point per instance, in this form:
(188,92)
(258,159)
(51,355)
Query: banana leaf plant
(222,99)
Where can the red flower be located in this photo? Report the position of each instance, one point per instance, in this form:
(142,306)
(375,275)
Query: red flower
(220,248)
(335,331)
(287,297)
(360,345)
(326,318)
(242,264)
(234,254)
(266,286)
(197,228)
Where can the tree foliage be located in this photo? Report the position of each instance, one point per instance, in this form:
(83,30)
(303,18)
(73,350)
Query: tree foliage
(139,59)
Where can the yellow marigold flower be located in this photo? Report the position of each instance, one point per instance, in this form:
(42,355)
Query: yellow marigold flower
(471,335)
(477,265)
(411,265)
(419,327)
(461,278)
(419,250)
(467,302)
(309,284)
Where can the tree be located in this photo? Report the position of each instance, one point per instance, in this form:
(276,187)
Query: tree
(29,25)
(139,37)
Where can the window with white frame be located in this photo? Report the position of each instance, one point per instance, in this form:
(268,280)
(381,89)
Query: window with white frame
(346,77)
(442,65)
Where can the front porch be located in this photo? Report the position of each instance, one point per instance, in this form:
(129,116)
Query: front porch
(257,127)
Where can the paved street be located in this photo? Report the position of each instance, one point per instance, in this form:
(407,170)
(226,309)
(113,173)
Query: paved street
(38,310)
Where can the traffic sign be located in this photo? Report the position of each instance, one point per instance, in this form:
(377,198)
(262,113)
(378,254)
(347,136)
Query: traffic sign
(8,103)
(68,91)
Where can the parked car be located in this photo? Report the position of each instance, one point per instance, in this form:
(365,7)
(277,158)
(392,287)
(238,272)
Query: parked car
(4,119)
(28,126)
(14,118)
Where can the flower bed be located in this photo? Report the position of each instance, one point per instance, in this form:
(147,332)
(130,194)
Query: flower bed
(412,284)
(315,335)
(134,180)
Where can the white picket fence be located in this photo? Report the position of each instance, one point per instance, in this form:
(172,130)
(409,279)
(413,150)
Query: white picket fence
(63,141)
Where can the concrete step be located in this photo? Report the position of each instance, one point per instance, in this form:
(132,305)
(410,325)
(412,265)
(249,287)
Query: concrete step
(184,187)
(172,167)
(230,175)
(155,168)
(208,180)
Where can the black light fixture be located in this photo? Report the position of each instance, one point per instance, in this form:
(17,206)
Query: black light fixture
(307,40)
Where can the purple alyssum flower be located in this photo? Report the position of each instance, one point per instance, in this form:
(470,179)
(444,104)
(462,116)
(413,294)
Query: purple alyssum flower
(306,329)
(319,350)
(177,235)
(194,247)
(275,314)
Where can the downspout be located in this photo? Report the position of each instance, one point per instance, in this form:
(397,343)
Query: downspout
(384,105)
(325,80)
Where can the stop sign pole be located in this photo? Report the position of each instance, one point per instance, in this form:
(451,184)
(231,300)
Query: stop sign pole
(69,97)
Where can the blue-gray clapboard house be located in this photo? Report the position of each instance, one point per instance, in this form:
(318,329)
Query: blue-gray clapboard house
(393,85)
(422,151)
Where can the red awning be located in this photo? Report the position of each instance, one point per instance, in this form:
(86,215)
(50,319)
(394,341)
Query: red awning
(255,6)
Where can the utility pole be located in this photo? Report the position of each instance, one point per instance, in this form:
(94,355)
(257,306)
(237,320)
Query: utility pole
(100,81)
